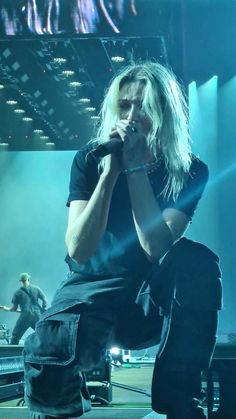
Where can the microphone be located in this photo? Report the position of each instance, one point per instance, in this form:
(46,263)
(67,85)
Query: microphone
(112,146)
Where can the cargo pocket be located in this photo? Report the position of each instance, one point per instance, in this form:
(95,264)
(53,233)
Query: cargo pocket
(52,376)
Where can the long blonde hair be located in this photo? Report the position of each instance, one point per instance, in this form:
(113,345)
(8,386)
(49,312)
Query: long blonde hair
(165,104)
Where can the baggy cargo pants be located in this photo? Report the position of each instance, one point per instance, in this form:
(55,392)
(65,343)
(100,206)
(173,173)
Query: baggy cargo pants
(183,293)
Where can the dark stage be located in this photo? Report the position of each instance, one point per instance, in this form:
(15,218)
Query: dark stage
(123,390)
(123,403)
(97,413)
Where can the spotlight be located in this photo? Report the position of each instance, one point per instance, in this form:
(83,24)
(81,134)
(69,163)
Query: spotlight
(19,111)
(68,72)
(27,119)
(84,100)
(117,59)
(11,102)
(59,60)
(75,83)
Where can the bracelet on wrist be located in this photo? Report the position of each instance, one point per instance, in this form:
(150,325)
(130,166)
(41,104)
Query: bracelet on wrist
(146,167)
(140,168)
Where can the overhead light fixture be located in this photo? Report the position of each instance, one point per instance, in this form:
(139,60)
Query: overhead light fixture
(3,146)
(68,72)
(90,109)
(59,60)
(44,137)
(19,111)
(75,83)
(50,144)
(95,117)
(1,86)
(38,131)
(84,100)
(27,119)
(11,102)
(117,59)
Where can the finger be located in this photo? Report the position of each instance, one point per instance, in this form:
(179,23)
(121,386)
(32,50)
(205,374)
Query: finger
(126,127)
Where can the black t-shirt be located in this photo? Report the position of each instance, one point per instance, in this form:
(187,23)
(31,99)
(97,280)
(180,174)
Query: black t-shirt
(25,302)
(119,252)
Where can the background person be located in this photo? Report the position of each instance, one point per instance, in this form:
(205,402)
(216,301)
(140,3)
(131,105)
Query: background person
(26,302)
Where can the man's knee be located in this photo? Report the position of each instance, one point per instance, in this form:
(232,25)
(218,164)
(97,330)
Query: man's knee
(53,379)
(197,276)
(190,338)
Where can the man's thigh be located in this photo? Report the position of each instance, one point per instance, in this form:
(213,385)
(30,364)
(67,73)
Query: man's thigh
(62,347)
(137,330)
(95,335)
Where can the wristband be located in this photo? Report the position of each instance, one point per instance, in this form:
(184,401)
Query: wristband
(147,167)
(141,168)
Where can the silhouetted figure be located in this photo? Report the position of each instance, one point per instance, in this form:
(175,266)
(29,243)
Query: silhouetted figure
(26,302)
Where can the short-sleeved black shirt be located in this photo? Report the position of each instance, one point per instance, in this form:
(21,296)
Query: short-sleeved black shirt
(25,302)
(119,251)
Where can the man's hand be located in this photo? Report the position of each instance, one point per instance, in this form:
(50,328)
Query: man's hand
(5,308)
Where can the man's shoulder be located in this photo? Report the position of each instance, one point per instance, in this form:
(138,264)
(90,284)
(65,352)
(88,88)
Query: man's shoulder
(85,154)
(33,287)
(17,294)
(198,166)
(18,291)
(36,290)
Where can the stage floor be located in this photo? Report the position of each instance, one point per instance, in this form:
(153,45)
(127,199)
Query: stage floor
(125,404)
(96,413)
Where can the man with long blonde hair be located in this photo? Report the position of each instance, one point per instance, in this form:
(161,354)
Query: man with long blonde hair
(131,274)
